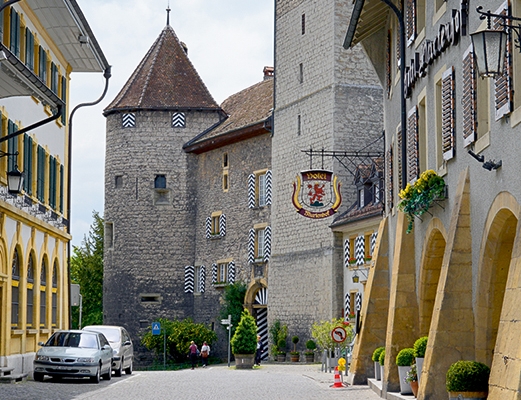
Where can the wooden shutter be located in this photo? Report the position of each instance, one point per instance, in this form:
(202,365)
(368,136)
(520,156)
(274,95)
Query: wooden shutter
(267,243)
(214,273)
(42,65)
(447,113)
(413,165)
(251,191)
(61,188)
(202,279)
(503,83)
(411,21)
(40,174)
(29,49)
(389,177)
(64,98)
(346,252)
(388,65)
(189,279)
(14,43)
(222,224)
(231,272)
(12,146)
(251,246)
(28,163)
(208,227)
(469,101)
(269,187)
(399,157)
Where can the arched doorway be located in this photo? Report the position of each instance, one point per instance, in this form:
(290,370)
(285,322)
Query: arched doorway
(256,300)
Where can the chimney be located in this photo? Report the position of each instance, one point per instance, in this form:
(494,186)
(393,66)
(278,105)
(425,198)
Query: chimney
(268,72)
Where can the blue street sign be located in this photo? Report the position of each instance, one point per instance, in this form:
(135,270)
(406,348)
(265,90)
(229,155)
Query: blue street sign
(156,328)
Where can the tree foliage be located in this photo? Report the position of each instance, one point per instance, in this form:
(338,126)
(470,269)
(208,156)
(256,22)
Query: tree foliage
(179,334)
(278,335)
(321,332)
(233,303)
(244,341)
(87,270)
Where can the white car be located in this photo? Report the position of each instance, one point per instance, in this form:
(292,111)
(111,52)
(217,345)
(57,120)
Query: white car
(76,354)
(120,341)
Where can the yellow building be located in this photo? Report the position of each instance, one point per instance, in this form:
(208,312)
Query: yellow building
(42,43)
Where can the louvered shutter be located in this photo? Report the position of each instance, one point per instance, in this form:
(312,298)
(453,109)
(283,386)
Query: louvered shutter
(360,250)
(469,101)
(388,64)
(202,279)
(346,253)
(269,187)
(413,166)
(231,272)
(251,191)
(411,21)
(222,225)
(389,177)
(447,113)
(347,306)
(267,243)
(358,301)
(189,279)
(251,246)
(208,227)
(503,83)
(399,157)
(374,236)
(214,273)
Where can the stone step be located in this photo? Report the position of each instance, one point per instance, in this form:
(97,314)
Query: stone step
(13,378)
(6,371)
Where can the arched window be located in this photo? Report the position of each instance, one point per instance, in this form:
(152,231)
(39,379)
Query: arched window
(43,294)
(54,316)
(15,295)
(30,291)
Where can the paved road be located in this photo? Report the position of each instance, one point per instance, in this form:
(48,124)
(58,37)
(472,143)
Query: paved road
(269,382)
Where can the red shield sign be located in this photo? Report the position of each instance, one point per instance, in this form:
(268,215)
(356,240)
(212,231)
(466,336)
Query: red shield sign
(316,194)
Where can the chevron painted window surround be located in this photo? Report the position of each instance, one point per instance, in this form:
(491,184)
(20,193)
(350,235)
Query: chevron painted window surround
(260,188)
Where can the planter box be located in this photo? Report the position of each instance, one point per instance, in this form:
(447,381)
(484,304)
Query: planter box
(244,361)
(309,358)
(281,358)
(294,358)
(419,366)
(405,388)
(377,371)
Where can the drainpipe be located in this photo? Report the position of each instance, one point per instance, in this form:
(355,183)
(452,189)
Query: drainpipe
(106,75)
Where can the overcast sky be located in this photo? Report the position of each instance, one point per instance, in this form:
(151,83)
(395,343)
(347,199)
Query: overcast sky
(229,43)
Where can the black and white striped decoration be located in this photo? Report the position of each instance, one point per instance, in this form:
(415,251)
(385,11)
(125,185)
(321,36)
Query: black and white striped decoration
(346,253)
(262,329)
(360,250)
(261,297)
(231,272)
(222,224)
(208,228)
(358,301)
(189,279)
(251,246)
(374,236)
(347,306)
(129,120)
(251,191)
(202,279)
(178,120)
(267,243)
(269,187)
(214,274)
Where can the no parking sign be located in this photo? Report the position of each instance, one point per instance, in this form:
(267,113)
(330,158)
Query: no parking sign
(338,334)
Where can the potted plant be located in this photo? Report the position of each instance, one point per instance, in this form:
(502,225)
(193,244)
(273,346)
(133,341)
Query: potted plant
(277,332)
(420,346)
(244,341)
(412,379)
(310,352)
(295,355)
(404,360)
(376,358)
(281,347)
(468,380)
(381,361)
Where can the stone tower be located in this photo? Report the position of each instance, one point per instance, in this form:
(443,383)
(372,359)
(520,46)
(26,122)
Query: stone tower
(325,98)
(149,195)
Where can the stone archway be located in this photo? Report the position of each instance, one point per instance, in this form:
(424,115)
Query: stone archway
(495,256)
(256,301)
(431,261)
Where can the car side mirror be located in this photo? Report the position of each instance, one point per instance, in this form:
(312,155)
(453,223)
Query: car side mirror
(41,343)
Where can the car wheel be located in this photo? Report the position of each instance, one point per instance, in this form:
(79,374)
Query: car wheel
(120,369)
(96,378)
(108,375)
(128,370)
(38,376)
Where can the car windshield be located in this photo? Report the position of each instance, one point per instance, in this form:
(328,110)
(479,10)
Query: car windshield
(112,335)
(73,339)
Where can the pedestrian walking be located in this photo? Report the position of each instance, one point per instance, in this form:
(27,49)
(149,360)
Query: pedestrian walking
(193,353)
(260,349)
(205,353)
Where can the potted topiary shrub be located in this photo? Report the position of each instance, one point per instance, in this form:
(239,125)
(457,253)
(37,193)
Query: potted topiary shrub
(420,346)
(310,352)
(468,380)
(294,355)
(375,357)
(244,341)
(381,361)
(281,347)
(404,360)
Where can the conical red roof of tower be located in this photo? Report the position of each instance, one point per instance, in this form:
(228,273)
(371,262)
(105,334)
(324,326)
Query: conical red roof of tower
(164,79)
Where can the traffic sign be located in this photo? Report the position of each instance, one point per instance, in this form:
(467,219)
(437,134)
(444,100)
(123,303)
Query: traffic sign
(226,321)
(338,334)
(156,328)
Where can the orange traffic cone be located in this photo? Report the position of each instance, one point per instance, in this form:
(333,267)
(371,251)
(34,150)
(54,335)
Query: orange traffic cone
(338,383)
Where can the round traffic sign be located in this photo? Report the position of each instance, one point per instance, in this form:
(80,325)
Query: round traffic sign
(338,334)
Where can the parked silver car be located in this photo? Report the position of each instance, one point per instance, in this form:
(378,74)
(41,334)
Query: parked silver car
(120,341)
(74,353)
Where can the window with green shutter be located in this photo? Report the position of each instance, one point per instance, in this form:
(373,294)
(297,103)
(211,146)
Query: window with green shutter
(40,174)
(52,182)
(42,64)
(64,98)
(54,78)
(14,42)
(29,49)
(28,164)
(61,189)
(12,146)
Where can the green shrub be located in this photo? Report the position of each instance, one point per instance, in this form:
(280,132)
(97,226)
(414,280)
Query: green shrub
(420,346)
(244,340)
(295,340)
(321,332)
(277,332)
(311,345)
(376,353)
(468,376)
(405,357)
(381,358)
(281,345)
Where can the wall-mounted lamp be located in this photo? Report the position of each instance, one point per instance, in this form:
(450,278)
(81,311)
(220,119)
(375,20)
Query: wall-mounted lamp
(356,278)
(15,178)
(490,45)
(488,165)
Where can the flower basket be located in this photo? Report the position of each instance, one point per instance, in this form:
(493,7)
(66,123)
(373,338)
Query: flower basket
(419,197)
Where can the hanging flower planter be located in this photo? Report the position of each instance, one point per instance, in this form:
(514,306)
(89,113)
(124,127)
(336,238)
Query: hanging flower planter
(419,197)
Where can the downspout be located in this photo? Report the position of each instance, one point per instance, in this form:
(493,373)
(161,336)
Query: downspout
(274,67)
(106,75)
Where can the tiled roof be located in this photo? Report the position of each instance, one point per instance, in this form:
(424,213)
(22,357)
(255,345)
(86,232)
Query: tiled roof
(247,109)
(164,79)
(355,214)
